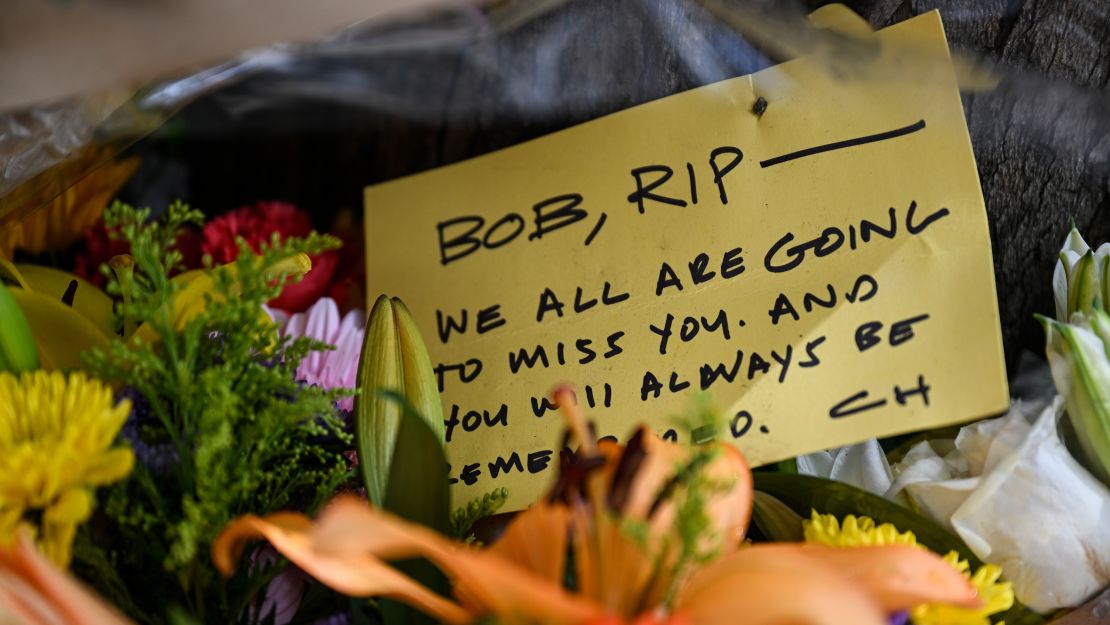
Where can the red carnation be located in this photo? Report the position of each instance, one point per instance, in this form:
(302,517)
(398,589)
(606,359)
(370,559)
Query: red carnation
(100,246)
(256,224)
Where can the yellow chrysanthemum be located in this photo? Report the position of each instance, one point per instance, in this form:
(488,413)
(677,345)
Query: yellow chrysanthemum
(997,597)
(854,531)
(56,433)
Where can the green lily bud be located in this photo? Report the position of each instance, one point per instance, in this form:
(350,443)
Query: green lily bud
(395,358)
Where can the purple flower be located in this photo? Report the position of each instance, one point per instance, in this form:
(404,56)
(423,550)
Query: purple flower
(283,593)
(149,440)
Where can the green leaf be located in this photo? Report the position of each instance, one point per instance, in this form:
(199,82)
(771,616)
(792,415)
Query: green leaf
(17,345)
(178,616)
(418,478)
(788,466)
(418,492)
(804,493)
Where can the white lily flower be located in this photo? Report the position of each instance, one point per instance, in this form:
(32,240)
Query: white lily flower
(1077,355)
(1080,277)
(1019,500)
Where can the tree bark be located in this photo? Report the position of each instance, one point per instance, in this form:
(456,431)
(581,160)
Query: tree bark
(1041,139)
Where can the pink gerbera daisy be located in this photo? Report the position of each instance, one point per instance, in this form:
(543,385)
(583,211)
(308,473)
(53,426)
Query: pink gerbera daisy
(330,369)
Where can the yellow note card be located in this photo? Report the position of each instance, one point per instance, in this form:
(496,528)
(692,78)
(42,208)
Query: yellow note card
(822,271)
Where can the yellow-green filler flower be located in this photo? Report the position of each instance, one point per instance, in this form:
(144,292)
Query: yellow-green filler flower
(996,596)
(56,435)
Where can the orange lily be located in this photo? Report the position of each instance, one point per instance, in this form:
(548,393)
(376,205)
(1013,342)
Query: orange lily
(625,512)
(34,592)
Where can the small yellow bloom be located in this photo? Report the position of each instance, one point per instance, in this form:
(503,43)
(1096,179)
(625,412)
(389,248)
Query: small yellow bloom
(854,531)
(56,433)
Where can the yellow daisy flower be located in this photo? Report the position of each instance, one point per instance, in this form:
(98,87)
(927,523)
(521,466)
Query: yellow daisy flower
(56,433)
(854,531)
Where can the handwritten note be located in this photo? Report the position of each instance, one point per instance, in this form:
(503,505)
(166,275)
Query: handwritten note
(822,270)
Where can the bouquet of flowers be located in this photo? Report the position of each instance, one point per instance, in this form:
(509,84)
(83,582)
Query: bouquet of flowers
(207,419)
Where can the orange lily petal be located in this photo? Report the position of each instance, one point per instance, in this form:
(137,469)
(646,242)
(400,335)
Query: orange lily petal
(898,576)
(350,573)
(486,579)
(37,593)
(586,556)
(730,509)
(888,579)
(785,588)
(537,540)
(229,545)
(656,468)
(619,572)
(610,567)
(343,550)
(624,567)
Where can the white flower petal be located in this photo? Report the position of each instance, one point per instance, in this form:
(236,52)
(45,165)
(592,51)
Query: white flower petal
(984,443)
(862,465)
(921,464)
(1042,517)
(818,464)
(1034,510)
(1060,290)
